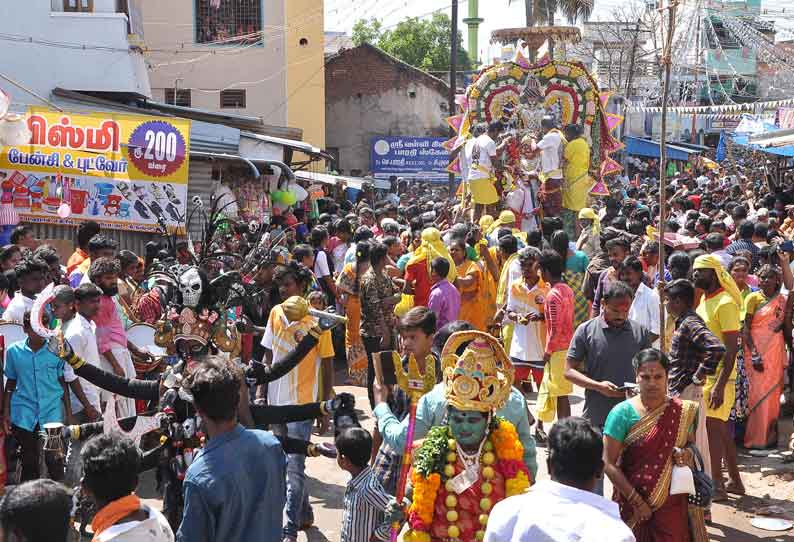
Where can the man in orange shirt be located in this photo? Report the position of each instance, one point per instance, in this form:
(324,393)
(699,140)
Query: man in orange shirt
(84,234)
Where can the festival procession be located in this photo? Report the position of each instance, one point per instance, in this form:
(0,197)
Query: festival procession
(396,270)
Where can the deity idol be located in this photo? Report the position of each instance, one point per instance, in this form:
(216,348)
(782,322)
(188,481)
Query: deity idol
(464,468)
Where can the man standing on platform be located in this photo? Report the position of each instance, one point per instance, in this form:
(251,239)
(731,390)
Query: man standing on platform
(577,181)
(550,147)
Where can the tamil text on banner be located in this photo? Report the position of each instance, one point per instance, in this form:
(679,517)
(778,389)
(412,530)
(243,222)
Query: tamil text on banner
(126,172)
(422,158)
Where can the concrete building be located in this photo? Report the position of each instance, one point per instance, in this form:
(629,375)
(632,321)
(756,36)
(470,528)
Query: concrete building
(370,93)
(261,58)
(90,45)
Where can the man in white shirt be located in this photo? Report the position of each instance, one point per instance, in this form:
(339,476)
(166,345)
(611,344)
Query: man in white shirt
(564,508)
(75,308)
(550,147)
(645,306)
(479,157)
(32,276)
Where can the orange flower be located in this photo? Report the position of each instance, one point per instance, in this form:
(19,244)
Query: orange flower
(506,442)
(425,491)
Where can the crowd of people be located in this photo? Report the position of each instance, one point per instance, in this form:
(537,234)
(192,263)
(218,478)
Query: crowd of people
(505,292)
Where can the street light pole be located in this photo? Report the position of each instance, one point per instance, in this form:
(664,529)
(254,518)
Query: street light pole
(453,76)
(667,62)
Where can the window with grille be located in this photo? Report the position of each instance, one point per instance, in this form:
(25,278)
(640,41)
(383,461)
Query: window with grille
(233,99)
(228,21)
(180,96)
(86,6)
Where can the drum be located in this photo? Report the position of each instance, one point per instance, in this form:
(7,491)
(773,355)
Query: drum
(11,333)
(53,434)
(142,336)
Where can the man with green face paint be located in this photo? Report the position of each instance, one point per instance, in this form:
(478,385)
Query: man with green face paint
(475,460)
(432,411)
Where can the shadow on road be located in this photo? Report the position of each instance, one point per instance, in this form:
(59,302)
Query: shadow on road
(325,495)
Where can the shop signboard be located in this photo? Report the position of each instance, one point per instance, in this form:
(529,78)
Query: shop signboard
(126,172)
(421,158)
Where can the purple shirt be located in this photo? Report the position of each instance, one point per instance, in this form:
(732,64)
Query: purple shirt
(445,302)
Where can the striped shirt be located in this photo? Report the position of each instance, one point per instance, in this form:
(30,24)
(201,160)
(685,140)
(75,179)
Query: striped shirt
(365,501)
(301,384)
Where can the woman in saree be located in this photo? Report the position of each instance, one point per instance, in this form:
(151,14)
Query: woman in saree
(348,284)
(644,436)
(470,285)
(764,358)
(739,269)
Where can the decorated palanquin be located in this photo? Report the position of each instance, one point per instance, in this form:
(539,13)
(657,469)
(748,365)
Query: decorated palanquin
(455,488)
(520,93)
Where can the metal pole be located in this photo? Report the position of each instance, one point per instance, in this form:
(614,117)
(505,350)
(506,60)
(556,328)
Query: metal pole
(693,135)
(667,61)
(453,86)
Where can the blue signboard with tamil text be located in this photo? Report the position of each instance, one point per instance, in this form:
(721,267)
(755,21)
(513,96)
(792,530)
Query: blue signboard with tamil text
(420,158)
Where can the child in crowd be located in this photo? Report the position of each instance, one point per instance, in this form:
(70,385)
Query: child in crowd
(365,499)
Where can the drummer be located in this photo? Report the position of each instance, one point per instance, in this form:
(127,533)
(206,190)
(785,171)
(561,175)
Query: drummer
(36,393)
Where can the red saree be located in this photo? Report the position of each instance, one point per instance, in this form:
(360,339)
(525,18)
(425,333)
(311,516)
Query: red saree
(647,463)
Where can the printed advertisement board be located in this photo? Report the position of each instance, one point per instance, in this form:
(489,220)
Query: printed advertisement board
(124,171)
(421,158)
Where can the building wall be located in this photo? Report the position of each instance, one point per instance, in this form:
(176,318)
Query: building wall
(42,68)
(283,79)
(367,95)
(258,69)
(304,43)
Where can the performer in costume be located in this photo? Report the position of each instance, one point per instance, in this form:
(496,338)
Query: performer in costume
(462,469)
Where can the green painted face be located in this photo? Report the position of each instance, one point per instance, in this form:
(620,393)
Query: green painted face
(468,427)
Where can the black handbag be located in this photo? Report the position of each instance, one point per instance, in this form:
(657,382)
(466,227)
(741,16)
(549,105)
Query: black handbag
(704,486)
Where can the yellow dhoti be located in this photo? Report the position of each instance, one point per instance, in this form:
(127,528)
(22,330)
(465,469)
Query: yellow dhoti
(554,385)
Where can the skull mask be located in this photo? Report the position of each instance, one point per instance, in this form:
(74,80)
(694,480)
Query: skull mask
(190,286)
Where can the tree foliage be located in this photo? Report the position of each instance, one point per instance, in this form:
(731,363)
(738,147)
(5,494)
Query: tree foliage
(423,43)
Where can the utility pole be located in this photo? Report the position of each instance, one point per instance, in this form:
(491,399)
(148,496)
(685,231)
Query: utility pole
(453,76)
(667,63)
(693,132)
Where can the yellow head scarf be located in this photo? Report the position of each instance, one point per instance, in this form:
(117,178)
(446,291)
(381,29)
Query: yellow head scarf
(485,222)
(727,283)
(588,214)
(432,247)
(506,217)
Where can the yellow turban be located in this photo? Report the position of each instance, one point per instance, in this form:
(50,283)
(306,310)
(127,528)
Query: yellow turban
(485,222)
(727,283)
(432,247)
(588,214)
(506,218)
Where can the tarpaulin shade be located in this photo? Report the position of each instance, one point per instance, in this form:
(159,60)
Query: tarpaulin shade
(645,147)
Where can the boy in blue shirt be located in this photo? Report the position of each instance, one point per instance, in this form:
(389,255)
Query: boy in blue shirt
(34,396)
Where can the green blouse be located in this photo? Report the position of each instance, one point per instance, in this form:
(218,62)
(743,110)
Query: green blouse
(620,420)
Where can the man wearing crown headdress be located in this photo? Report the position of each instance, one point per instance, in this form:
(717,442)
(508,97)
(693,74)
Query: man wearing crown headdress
(465,467)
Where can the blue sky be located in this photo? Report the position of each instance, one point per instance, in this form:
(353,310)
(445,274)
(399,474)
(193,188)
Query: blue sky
(340,15)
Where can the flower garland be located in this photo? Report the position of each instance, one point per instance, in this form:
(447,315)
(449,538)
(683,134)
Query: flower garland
(434,462)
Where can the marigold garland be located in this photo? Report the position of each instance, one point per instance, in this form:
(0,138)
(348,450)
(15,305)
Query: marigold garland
(429,463)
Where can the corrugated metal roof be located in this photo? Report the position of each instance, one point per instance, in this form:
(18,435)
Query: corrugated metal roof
(218,138)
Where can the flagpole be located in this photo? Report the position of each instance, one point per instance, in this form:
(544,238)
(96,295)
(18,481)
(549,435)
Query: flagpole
(667,62)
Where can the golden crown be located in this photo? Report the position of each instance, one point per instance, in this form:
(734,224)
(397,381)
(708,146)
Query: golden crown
(481,377)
